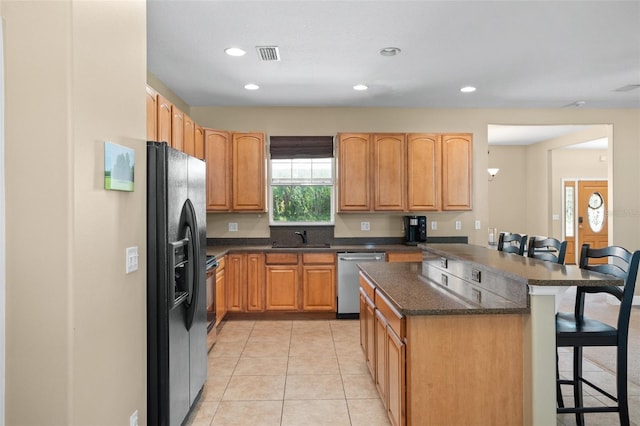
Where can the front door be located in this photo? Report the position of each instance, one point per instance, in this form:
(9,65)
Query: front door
(593,207)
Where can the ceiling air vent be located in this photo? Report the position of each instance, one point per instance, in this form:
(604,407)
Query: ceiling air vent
(627,88)
(268,53)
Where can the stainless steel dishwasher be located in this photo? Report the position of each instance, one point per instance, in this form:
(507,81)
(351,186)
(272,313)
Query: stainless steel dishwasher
(348,282)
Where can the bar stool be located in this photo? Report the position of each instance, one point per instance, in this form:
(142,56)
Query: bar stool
(512,243)
(549,249)
(577,331)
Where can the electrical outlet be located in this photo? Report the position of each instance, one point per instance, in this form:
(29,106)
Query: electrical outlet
(477,224)
(133,420)
(131,259)
(365,226)
(233,227)
(458,225)
(434,225)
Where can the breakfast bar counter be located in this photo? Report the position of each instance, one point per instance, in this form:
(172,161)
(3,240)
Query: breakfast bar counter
(467,336)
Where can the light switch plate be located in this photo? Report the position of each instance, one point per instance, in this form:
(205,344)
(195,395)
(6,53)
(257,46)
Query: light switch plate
(233,226)
(477,224)
(458,225)
(131,259)
(434,225)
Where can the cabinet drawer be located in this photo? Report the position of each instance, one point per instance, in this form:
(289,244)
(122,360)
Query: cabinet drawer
(281,258)
(326,258)
(404,256)
(367,287)
(395,319)
(221,262)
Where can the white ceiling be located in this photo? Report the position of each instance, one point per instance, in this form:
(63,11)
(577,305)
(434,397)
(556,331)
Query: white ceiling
(519,54)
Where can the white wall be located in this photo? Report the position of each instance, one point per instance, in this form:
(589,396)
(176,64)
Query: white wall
(76,324)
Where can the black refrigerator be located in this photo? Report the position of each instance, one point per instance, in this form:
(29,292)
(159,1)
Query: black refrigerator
(176,299)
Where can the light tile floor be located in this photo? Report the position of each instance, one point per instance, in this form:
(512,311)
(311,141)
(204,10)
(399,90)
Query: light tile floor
(313,373)
(288,373)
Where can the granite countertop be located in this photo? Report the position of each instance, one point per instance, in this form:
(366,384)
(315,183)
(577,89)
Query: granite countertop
(407,287)
(524,269)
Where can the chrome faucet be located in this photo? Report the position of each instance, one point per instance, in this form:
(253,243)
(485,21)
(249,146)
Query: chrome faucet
(303,235)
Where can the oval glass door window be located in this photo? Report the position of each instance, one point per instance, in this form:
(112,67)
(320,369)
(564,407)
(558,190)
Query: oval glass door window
(595,212)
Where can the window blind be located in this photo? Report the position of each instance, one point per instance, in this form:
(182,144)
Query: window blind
(301,147)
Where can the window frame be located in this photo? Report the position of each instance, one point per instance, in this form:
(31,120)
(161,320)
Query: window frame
(332,186)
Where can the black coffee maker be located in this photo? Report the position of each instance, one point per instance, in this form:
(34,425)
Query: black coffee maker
(415,230)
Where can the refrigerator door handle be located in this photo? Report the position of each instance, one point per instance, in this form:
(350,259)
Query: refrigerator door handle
(195,262)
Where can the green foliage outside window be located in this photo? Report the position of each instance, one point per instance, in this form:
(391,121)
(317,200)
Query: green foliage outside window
(301,203)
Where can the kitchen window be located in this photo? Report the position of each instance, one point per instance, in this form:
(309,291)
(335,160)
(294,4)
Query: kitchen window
(301,184)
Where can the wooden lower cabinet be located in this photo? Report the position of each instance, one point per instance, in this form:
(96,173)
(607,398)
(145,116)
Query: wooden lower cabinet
(395,350)
(236,268)
(282,287)
(404,256)
(220,289)
(255,282)
(319,282)
(210,290)
(440,369)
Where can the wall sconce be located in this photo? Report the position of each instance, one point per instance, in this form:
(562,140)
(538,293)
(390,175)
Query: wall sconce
(493,172)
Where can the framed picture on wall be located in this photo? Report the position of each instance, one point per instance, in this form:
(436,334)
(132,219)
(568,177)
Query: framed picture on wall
(119,162)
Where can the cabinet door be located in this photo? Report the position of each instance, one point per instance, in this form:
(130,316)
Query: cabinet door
(177,128)
(248,172)
(282,288)
(255,282)
(152,114)
(354,190)
(423,172)
(396,356)
(164,120)
(210,290)
(319,288)
(381,377)
(236,277)
(371,345)
(221,304)
(363,321)
(188,136)
(457,151)
(198,141)
(389,187)
(217,154)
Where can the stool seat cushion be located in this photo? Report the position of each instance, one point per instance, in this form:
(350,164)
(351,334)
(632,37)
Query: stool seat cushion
(588,332)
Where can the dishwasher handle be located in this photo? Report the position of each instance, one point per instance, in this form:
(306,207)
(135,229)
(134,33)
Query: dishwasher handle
(360,259)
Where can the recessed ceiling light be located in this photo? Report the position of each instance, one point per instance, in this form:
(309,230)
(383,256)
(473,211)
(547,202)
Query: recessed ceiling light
(390,51)
(234,51)
(468,89)
(360,87)
(251,86)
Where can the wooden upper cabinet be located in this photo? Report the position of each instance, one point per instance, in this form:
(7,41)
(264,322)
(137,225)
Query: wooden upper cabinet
(354,190)
(198,141)
(177,128)
(152,114)
(248,172)
(164,120)
(188,141)
(457,166)
(389,168)
(423,172)
(217,154)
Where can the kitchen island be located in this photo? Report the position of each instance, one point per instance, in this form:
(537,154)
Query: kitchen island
(467,336)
